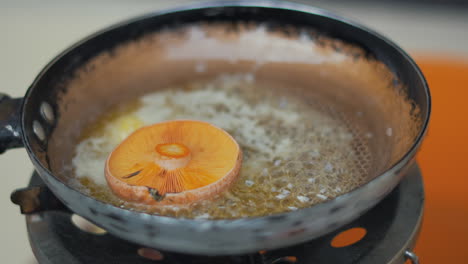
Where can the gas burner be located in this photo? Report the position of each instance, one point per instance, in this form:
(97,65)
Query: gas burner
(391,231)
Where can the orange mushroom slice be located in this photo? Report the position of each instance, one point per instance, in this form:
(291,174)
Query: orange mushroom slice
(174,162)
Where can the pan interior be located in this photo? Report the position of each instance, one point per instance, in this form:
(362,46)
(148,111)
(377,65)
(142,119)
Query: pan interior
(315,117)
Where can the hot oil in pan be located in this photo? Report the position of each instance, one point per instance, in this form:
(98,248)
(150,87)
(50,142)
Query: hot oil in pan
(297,152)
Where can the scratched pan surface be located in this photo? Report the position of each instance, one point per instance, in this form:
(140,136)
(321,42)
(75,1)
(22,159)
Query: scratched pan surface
(27,122)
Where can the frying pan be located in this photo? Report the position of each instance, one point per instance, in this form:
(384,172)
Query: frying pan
(32,122)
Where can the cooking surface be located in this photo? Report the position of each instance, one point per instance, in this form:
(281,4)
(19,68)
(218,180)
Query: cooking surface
(34,32)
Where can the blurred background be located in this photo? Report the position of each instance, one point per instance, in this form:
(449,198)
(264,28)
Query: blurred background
(434,32)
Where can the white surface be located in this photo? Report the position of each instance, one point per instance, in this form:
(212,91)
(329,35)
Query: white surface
(33,32)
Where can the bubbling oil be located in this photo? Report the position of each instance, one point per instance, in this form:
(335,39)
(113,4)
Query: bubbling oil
(297,153)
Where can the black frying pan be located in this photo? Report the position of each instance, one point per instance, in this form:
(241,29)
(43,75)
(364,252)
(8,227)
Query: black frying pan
(30,121)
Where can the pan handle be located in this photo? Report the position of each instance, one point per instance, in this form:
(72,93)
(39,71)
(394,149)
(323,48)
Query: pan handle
(10,124)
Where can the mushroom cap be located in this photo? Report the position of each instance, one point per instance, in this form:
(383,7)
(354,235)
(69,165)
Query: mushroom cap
(173,162)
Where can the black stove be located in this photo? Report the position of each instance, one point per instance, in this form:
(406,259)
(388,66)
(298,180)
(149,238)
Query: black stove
(391,231)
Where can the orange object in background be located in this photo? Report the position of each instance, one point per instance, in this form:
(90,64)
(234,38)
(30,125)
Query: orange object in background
(444,162)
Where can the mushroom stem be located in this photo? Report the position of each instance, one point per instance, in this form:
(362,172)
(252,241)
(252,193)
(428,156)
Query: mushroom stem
(172,156)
